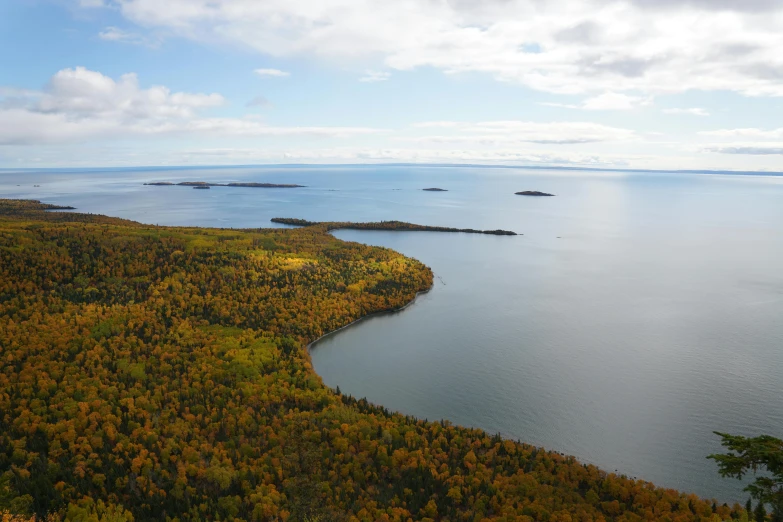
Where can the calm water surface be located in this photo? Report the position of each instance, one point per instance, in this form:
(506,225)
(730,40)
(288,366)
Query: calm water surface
(637,314)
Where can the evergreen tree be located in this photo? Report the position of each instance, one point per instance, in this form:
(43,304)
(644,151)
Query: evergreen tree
(761,513)
(750,455)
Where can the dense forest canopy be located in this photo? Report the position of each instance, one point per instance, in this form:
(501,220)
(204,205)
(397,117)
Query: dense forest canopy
(163,373)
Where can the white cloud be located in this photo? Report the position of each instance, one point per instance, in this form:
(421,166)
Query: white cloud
(561,46)
(81,93)
(210,153)
(440,124)
(752,149)
(272,72)
(612,101)
(745,141)
(693,111)
(515,156)
(608,101)
(80,105)
(494,133)
(371,76)
(773,134)
(561,105)
(115,34)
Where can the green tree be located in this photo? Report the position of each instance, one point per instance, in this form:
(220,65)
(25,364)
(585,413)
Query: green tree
(751,455)
(761,513)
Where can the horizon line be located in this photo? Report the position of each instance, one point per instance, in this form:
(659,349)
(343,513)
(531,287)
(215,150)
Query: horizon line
(403,164)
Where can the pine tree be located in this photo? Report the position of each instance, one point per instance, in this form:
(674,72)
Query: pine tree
(760,513)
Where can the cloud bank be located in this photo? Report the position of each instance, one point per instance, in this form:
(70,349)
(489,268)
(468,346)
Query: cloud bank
(558,46)
(79,105)
(508,132)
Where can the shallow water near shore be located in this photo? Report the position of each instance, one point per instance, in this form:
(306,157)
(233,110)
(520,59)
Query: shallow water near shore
(638,313)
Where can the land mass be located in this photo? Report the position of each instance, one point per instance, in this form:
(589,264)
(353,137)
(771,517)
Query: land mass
(532,193)
(161,373)
(435,189)
(385,225)
(19,207)
(206,184)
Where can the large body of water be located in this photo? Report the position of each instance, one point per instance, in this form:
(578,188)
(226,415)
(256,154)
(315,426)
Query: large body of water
(638,312)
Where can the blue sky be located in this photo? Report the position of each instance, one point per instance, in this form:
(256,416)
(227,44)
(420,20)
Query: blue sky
(634,83)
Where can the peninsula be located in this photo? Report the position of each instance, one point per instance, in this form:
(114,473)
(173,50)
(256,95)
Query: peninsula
(207,184)
(20,207)
(385,225)
(532,193)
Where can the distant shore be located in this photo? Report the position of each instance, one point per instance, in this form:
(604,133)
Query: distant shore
(205,184)
(386,225)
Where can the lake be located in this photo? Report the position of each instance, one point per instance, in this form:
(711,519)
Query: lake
(638,312)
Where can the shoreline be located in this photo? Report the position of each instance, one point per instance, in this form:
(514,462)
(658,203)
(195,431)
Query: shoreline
(541,447)
(312,345)
(391,311)
(309,346)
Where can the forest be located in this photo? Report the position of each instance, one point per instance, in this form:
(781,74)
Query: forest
(385,225)
(157,373)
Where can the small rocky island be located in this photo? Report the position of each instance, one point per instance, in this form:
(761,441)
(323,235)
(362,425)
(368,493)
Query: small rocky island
(435,189)
(532,193)
(202,187)
(385,225)
(204,184)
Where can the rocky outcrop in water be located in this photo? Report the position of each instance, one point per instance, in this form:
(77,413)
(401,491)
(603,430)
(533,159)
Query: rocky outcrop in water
(533,193)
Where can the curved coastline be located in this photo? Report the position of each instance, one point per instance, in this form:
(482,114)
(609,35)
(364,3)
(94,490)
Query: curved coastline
(313,345)
(391,311)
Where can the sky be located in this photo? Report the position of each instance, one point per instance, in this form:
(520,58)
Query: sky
(648,84)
